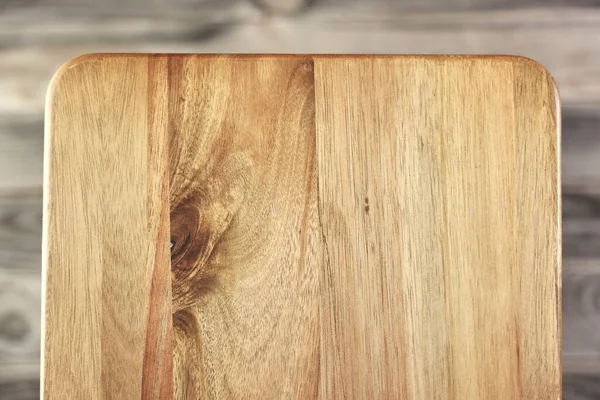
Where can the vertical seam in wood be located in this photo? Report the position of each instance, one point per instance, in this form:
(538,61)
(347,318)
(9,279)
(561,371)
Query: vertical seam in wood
(324,265)
(157,349)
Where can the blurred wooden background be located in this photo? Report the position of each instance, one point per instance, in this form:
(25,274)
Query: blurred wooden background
(37,36)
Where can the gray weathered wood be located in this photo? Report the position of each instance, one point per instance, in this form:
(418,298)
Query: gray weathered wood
(21,231)
(581,202)
(37,36)
(133,7)
(284,6)
(581,315)
(581,387)
(20,318)
(561,39)
(581,244)
(21,154)
(581,363)
(437,5)
(20,238)
(581,238)
(108,8)
(20,382)
(581,146)
(575,387)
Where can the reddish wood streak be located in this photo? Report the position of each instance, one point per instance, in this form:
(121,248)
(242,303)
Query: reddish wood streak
(157,377)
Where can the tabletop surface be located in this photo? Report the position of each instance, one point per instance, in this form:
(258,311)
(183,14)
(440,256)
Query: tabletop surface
(302,227)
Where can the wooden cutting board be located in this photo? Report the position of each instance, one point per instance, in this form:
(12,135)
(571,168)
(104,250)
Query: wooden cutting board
(302,227)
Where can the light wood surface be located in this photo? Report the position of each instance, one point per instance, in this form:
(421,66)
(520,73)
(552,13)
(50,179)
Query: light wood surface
(438,230)
(106,234)
(329,216)
(244,226)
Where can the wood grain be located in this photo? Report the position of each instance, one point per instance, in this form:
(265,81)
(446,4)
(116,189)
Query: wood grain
(25,389)
(244,226)
(438,229)
(106,254)
(329,216)
(580,151)
(20,382)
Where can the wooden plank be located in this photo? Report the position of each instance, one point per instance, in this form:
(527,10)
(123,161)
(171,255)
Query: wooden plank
(438,225)
(587,362)
(20,389)
(581,202)
(581,387)
(581,192)
(21,138)
(244,224)
(438,5)
(576,387)
(20,318)
(21,231)
(396,230)
(106,254)
(200,9)
(31,50)
(20,382)
(581,316)
(287,7)
(581,238)
(20,210)
(209,8)
(21,149)
(20,200)
(581,146)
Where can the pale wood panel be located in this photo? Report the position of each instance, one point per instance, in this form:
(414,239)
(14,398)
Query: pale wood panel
(262,264)
(107,280)
(20,200)
(439,205)
(538,247)
(244,226)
